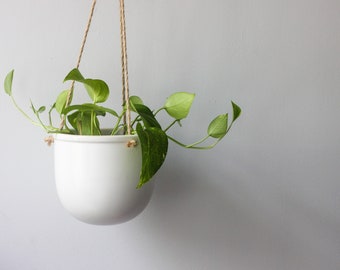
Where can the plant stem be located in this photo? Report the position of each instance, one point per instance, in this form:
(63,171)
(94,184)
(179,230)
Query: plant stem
(200,141)
(158,111)
(48,129)
(115,129)
(231,124)
(135,120)
(174,122)
(50,116)
(20,110)
(194,147)
(92,122)
(66,127)
(175,141)
(207,147)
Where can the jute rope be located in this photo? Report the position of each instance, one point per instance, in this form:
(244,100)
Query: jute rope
(70,93)
(125,81)
(125,74)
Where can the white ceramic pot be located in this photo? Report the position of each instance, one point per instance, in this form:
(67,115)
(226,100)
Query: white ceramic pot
(96,177)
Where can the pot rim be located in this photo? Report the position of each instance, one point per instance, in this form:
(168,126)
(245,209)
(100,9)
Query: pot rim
(94,138)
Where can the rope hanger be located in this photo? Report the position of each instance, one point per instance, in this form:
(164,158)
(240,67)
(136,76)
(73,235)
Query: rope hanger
(125,75)
(125,79)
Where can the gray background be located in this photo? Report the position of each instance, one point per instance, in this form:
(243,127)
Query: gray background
(266,198)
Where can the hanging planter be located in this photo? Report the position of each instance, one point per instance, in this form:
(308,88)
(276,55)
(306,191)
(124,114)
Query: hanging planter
(103,175)
(96,177)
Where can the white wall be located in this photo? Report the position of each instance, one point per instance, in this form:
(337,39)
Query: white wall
(266,198)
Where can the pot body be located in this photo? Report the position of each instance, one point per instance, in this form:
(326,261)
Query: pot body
(96,177)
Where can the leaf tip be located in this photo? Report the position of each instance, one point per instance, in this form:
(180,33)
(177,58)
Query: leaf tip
(74,75)
(236,110)
(8,82)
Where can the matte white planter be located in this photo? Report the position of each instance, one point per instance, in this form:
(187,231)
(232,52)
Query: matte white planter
(96,177)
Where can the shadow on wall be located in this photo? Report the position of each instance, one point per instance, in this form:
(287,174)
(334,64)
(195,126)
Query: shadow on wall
(216,220)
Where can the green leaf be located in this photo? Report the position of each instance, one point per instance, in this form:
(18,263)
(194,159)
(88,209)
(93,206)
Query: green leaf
(8,83)
(218,127)
(147,116)
(33,108)
(178,104)
(73,119)
(135,100)
(88,107)
(61,101)
(41,109)
(98,90)
(81,122)
(74,75)
(37,111)
(84,121)
(236,111)
(96,126)
(154,143)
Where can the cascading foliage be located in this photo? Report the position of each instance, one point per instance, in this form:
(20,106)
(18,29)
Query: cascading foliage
(84,119)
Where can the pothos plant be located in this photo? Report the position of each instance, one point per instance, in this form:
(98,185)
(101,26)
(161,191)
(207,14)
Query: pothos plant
(83,119)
